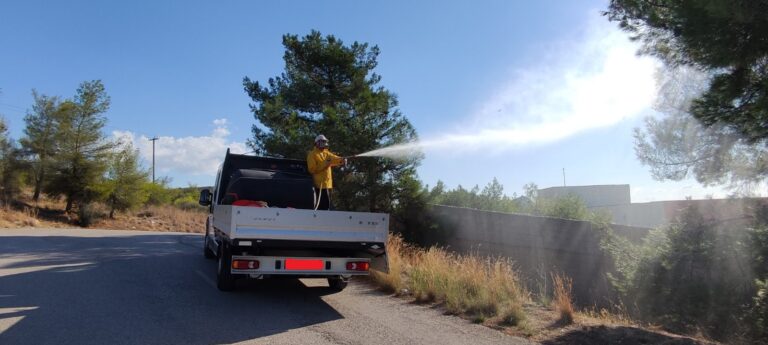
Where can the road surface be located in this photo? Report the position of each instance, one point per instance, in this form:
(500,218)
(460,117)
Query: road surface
(83,286)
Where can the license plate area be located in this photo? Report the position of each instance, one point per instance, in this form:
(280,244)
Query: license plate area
(304,265)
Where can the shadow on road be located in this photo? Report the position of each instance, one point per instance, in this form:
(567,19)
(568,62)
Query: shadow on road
(138,289)
(620,335)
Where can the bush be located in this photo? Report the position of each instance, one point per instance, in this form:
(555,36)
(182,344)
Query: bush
(157,193)
(87,214)
(688,276)
(490,198)
(11,166)
(187,198)
(758,239)
(567,207)
(759,313)
(189,205)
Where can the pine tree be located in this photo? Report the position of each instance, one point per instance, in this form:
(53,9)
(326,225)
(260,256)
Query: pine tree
(39,141)
(724,38)
(123,186)
(331,88)
(81,156)
(10,165)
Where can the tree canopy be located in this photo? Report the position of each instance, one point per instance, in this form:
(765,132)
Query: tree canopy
(122,188)
(331,88)
(727,39)
(10,165)
(40,135)
(82,151)
(676,146)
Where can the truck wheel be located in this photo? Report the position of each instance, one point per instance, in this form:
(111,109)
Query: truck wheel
(209,254)
(337,283)
(225,281)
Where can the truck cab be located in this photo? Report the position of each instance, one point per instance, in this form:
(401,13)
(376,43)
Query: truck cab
(263,223)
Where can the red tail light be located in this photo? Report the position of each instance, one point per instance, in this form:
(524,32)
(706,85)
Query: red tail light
(358,266)
(245,264)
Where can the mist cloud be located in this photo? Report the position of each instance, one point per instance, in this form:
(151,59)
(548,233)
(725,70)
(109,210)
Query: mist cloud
(596,81)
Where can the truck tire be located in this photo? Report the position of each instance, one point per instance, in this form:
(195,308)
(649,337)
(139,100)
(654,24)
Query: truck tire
(225,281)
(337,283)
(207,252)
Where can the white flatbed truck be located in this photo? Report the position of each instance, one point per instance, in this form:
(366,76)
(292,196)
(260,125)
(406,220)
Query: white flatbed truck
(263,223)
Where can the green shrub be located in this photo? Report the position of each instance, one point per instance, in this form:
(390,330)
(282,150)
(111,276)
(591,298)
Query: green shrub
(157,193)
(759,313)
(567,207)
(688,276)
(87,214)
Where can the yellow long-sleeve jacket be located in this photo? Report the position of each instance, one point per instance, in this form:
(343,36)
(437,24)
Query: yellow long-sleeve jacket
(320,168)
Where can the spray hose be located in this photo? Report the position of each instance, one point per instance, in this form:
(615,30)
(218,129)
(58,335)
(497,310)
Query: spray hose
(317,196)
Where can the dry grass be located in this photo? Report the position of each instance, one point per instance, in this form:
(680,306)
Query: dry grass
(49,212)
(397,252)
(473,286)
(563,301)
(12,218)
(157,218)
(45,203)
(617,316)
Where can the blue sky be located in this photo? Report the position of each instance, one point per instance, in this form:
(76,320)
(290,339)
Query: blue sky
(482,71)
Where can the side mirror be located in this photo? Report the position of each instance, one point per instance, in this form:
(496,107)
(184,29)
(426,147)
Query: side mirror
(205,198)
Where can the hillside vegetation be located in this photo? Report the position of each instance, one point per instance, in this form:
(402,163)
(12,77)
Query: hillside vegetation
(175,213)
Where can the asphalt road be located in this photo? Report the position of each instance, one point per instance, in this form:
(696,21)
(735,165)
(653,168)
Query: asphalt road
(75,286)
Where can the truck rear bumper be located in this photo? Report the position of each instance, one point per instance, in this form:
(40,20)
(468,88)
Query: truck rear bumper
(301,266)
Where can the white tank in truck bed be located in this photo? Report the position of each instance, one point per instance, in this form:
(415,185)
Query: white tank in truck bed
(260,223)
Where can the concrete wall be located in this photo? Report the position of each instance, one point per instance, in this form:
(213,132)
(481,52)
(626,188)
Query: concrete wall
(658,213)
(647,215)
(539,245)
(593,196)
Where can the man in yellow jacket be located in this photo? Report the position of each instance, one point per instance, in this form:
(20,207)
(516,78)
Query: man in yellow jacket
(319,163)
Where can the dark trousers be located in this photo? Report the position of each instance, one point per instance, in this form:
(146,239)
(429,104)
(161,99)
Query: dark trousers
(325,198)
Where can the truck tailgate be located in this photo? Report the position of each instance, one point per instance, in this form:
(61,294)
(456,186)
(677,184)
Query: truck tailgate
(306,225)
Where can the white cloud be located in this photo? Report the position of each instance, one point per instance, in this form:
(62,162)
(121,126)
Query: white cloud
(191,155)
(124,137)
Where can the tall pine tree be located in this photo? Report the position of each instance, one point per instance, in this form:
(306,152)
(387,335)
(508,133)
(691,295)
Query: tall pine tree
(81,156)
(331,88)
(39,139)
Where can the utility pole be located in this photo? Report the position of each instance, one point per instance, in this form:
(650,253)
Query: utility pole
(563,177)
(153,157)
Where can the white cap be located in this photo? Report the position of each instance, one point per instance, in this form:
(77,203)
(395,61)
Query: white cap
(320,137)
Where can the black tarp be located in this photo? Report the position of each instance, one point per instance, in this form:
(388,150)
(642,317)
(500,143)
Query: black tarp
(275,188)
(279,182)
